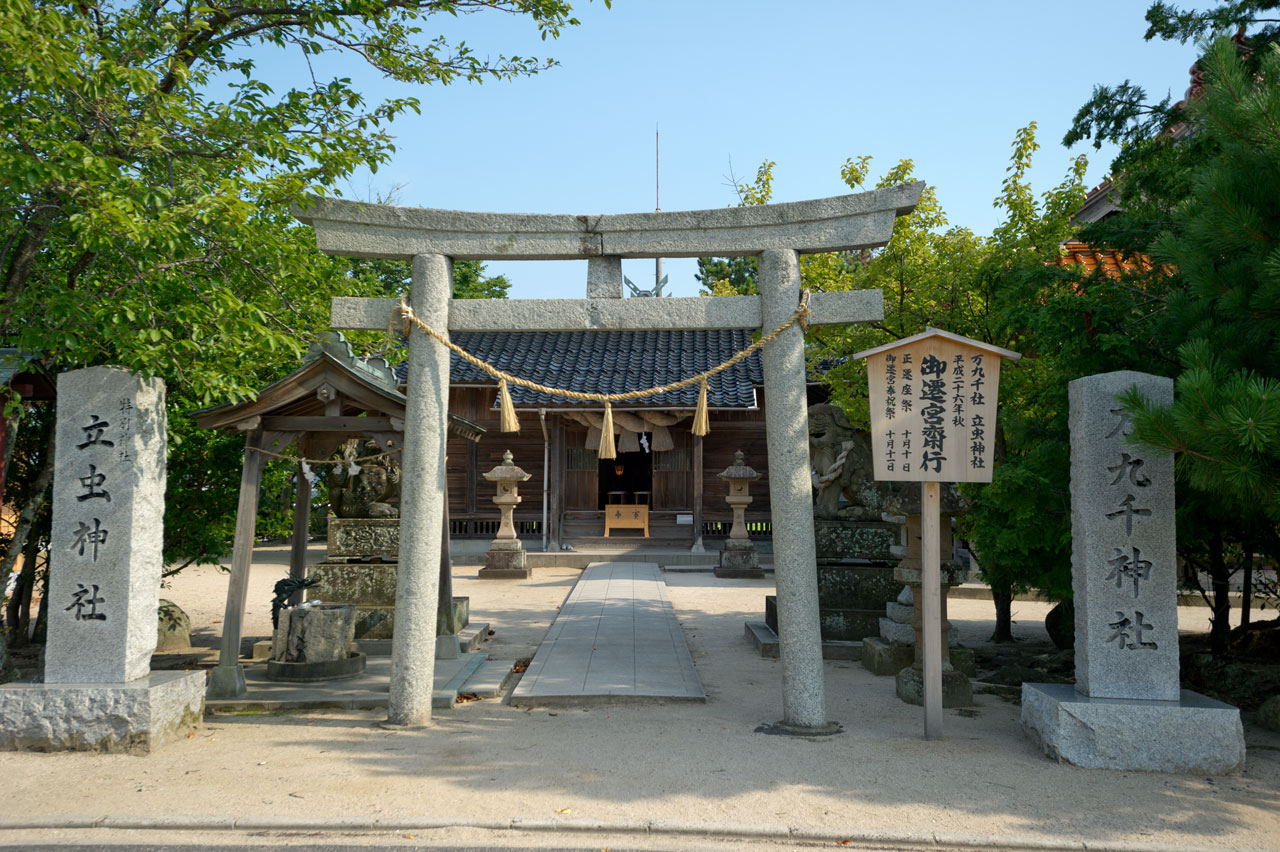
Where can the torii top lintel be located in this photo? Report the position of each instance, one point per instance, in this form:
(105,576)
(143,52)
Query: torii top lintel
(839,223)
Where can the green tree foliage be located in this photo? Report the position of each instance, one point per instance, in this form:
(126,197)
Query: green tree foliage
(151,172)
(1223,317)
(935,274)
(1196,183)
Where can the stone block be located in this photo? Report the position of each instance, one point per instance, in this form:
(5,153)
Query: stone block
(870,540)
(962,660)
(505,565)
(363,537)
(1269,713)
(133,717)
(852,598)
(950,573)
(883,658)
(1191,734)
(899,612)
(897,633)
(108,527)
(362,583)
(375,622)
(771,612)
(1123,552)
(739,560)
(604,277)
(173,631)
(956,689)
(314,634)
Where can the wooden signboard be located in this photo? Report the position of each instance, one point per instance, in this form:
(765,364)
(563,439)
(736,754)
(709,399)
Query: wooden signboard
(933,407)
(933,416)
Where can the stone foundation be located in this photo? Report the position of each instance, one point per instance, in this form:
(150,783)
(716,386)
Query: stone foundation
(504,562)
(363,537)
(883,658)
(851,598)
(1192,734)
(835,540)
(133,717)
(739,560)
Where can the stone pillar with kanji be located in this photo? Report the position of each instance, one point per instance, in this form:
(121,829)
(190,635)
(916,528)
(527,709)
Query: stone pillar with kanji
(105,561)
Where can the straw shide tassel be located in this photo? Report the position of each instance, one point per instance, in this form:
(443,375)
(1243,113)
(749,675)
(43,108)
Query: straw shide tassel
(506,411)
(607,449)
(700,420)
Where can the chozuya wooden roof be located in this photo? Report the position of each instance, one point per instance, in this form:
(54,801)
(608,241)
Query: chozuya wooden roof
(937,332)
(330,370)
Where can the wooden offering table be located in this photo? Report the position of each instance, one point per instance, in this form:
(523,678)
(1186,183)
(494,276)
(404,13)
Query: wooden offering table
(619,516)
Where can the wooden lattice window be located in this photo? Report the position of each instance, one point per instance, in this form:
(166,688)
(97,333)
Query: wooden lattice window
(677,459)
(583,460)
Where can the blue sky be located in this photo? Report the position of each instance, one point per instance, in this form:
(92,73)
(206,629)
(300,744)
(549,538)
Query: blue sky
(731,84)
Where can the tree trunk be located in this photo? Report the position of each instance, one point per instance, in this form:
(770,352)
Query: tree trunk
(41,632)
(1220,627)
(1247,597)
(1003,599)
(19,615)
(27,517)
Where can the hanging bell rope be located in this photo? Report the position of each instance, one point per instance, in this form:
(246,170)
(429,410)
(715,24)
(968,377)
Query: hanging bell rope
(403,316)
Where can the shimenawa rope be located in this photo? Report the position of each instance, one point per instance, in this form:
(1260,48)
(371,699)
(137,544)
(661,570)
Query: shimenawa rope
(509,423)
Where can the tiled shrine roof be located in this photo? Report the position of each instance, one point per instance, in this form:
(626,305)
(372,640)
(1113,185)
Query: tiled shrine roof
(611,362)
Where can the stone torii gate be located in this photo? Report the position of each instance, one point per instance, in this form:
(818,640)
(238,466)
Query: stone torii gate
(777,234)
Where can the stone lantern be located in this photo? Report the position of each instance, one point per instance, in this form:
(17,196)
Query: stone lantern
(506,558)
(739,559)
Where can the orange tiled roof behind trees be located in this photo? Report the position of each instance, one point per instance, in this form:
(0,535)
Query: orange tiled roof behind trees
(1113,263)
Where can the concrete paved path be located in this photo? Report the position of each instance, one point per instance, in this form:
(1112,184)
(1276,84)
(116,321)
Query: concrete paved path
(616,640)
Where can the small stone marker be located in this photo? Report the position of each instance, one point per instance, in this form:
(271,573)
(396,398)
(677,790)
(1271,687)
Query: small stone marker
(1127,709)
(933,415)
(104,584)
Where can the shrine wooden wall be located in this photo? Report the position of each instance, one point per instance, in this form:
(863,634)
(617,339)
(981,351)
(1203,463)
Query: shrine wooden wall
(470,495)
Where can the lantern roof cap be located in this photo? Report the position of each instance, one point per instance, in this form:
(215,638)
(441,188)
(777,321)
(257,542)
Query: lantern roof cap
(507,471)
(739,469)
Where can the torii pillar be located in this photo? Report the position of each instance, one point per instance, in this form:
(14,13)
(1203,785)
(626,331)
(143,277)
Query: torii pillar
(776,233)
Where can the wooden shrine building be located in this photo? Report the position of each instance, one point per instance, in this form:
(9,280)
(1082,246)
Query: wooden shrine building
(659,462)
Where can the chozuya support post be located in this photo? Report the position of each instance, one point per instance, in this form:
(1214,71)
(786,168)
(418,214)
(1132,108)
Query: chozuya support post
(777,233)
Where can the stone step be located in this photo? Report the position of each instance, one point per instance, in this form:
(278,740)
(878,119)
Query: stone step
(469,639)
(444,697)
(489,680)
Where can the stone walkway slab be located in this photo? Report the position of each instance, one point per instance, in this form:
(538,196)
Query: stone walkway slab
(616,640)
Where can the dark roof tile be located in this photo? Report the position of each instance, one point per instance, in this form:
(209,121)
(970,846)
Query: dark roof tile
(612,362)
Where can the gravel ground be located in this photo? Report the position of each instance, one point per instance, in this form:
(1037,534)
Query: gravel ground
(485,761)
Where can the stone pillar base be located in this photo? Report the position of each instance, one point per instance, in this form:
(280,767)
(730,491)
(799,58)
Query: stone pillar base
(739,560)
(133,717)
(956,689)
(1193,734)
(504,561)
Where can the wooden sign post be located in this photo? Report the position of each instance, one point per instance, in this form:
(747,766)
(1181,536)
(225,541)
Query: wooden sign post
(933,415)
